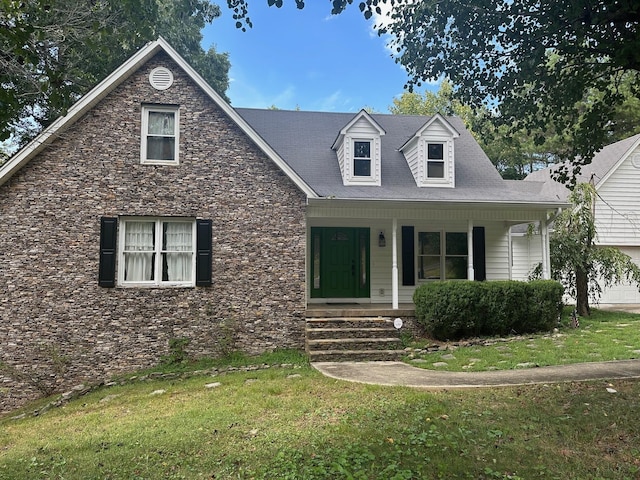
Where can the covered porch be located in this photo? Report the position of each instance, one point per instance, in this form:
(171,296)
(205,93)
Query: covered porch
(370,256)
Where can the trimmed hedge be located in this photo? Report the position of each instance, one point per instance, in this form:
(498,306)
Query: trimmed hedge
(451,310)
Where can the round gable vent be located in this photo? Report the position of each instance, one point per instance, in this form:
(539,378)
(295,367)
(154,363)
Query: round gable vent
(635,160)
(161,78)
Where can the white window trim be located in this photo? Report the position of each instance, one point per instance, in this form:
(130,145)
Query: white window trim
(447,146)
(374,178)
(370,158)
(146,109)
(158,282)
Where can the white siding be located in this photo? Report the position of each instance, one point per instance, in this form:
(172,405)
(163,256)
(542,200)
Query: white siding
(340,153)
(623,293)
(526,251)
(412,156)
(618,215)
(497,251)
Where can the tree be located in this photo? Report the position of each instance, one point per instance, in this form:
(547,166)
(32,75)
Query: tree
(513,153)
(430,103)
(54,51)
(558,63)
(577,261)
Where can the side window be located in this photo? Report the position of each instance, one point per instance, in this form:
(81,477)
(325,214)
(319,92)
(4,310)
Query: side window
(160,134)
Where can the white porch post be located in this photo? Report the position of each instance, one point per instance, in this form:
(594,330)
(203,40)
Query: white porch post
(544,236)
(470,272)
(394,264)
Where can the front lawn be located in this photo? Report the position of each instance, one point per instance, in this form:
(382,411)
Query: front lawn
(602,337)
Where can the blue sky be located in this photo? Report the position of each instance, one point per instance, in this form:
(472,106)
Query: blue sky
(306,58)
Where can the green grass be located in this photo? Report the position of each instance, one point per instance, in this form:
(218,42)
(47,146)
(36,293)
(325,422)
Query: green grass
(291,422)
(604,336)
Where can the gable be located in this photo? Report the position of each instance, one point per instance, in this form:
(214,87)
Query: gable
(616,209)
(104,88)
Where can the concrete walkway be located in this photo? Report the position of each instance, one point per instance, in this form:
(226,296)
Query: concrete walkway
(401,374)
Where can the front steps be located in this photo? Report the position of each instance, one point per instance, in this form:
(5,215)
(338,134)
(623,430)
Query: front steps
(356,339)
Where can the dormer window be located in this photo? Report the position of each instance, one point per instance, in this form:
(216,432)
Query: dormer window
(429,153)
(358,149)
(362,158)
(435,160)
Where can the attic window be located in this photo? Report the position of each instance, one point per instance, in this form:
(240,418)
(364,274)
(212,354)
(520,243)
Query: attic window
(435,160)
(161,78)
(361,158)
(160,139)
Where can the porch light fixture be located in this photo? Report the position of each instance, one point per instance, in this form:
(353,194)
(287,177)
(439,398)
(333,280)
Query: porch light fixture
(382,242)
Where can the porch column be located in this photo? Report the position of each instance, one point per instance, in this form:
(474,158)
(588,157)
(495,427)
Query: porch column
(544,236)
(394,264)
(470,272)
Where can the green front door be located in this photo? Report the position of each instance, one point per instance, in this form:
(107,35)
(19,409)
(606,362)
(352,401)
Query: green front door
(340,262)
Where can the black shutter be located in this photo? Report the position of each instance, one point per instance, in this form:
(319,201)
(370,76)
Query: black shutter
(203,252)
(479,262)
(408,257)
(108,242)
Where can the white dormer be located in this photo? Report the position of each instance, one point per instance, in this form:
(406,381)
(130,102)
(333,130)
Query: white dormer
(358,150)
(430,154)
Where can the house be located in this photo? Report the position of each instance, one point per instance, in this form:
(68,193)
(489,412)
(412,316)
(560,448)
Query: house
(154,210)
(615,172)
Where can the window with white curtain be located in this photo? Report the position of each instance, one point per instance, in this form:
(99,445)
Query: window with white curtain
(157,251)
(160,127)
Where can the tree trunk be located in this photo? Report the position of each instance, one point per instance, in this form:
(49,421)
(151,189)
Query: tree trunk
(582,293)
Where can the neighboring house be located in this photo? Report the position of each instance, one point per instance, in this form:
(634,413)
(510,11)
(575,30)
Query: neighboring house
(154,210)
(615,172)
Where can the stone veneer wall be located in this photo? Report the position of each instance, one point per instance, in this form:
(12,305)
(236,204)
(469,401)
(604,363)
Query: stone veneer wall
(53,315)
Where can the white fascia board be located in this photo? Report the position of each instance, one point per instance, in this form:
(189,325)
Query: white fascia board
(452,131)
(116,78)
(233,115)
(443,204)
(76,111)
(361,114)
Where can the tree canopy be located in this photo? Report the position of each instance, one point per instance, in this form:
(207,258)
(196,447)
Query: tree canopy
(54,51)
(544,65)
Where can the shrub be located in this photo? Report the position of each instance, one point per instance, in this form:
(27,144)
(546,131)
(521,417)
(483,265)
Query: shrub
(458,309)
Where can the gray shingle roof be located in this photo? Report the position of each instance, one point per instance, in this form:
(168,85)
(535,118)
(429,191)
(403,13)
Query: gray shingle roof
(304,139)
(602,162)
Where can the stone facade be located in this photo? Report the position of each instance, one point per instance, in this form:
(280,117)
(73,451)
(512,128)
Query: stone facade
(58,327)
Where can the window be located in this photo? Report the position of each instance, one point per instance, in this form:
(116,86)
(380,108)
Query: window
(361,158)
(435,160)
(442,256)
(157,252)
(160,127)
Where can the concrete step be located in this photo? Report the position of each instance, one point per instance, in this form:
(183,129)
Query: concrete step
(334,339)
(356,355)
(350,322)
(353,344)
(350,332)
